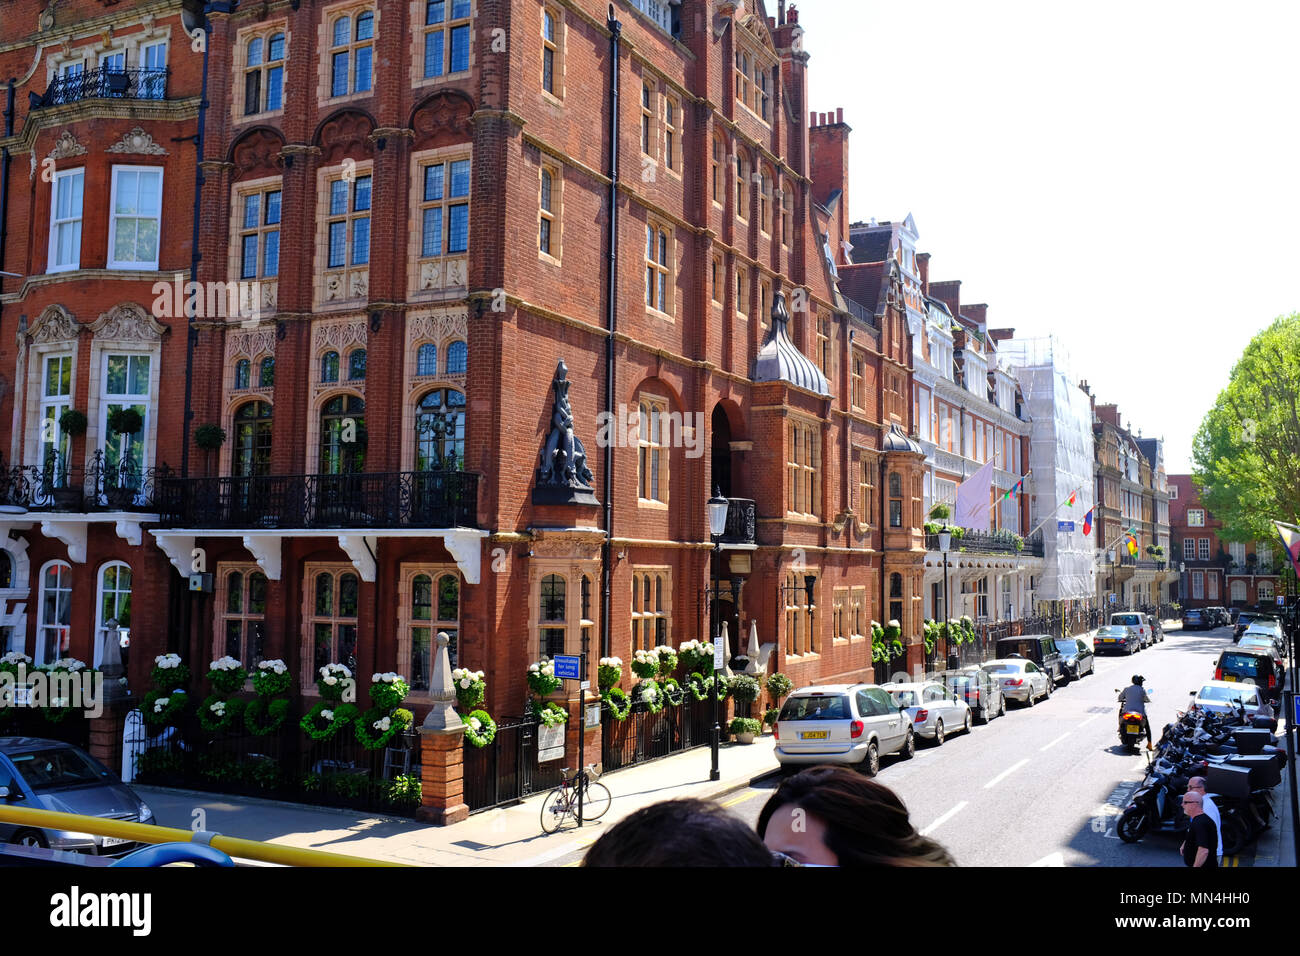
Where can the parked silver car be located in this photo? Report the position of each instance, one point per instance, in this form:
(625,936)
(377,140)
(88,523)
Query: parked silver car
(1022,680)
(980,689)
(842,723)
(1221,696)
(934,709)
(52,775)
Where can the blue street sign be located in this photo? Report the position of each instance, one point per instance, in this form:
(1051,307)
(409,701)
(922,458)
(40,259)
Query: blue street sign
(1065,526)
(567,667)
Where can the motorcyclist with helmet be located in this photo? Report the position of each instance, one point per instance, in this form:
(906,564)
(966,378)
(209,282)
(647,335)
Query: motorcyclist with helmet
(1134,700)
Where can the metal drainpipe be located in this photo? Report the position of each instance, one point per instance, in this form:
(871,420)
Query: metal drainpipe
(4,175)
(611,306)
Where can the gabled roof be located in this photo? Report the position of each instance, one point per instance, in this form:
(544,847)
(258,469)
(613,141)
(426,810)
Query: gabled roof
(866,283)
(871,245)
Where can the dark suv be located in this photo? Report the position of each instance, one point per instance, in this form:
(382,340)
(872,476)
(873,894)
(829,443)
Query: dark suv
(1256,667)
(1039,648)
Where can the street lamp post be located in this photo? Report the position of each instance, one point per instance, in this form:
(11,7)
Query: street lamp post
(717,511)
(945,543)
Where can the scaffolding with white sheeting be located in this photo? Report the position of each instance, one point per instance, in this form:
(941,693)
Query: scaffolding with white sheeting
(1061,459)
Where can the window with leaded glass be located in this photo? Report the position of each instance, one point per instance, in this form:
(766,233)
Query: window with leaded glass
(264,74)
(348,224)
(433,606)
(440,430)
(552,616)
(446,37)
(329,367)
(243,618)
(342,436)
(426,359)
(251,450)
(444,208)
(357,365)
(259,234)
(332,617)
(352,54)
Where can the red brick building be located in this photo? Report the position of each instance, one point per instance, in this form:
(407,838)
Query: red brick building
(97,189)
(428,215)
(1217,572)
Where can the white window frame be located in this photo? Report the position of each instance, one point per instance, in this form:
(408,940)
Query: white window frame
(151,265)
(98,636)
(129,399)
(60,177)
(1189,549)
(1195,518)
(1198,585)
(41,624)
(1202,549)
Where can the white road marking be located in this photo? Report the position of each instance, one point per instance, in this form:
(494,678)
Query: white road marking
(1091,719)
(1052,859)
(1055,742)
(1005,773)
(943,819)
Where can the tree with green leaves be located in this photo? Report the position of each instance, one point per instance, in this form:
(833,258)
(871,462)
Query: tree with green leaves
(1246,454)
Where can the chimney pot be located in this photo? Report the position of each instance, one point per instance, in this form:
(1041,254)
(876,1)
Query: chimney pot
(839,115)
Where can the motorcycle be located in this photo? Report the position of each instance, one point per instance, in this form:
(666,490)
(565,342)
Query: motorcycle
(1130,729)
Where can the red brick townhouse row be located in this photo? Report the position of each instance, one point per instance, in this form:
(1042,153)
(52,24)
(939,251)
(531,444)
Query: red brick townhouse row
(490,361)
(1216,572)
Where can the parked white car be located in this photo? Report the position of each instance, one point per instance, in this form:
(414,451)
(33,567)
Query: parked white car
(934,709)
(1022,680)
(1221,696)
(842,723)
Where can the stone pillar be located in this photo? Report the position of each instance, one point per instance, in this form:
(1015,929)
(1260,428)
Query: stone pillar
(442,771)
(106,733)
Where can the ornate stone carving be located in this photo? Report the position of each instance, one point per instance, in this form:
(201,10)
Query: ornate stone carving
(437,327)
(128,322)
(430,275)
(137,141)
(258,154)
(55,324)
(442,120)
(338,335)
(66,145)
(456,273)
(347,134)
(563,477)
(252,343)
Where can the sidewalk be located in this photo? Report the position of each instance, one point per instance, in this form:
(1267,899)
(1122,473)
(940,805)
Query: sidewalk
(509,836)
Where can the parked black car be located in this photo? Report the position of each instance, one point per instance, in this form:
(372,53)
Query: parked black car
(1194,619)
(1039,648)
(1258,667)
(1076,656)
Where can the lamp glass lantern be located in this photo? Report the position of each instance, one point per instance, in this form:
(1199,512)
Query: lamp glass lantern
(945,539)
(717,509)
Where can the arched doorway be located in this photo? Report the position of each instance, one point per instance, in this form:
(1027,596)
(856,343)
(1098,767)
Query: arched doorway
(721,432)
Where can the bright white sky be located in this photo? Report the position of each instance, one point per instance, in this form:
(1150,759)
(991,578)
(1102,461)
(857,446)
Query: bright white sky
(1122,174)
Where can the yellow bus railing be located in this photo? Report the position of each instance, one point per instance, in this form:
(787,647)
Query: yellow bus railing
(150,833)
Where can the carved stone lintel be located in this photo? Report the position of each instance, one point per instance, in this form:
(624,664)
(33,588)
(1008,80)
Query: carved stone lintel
(66,145)
(137,141)
(54,324)
(128,321)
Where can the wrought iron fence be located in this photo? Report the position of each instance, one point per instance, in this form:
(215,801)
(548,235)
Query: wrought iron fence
(645,736)
(59,485)
(286,765)
(105,83)
(421,499)
(507,770)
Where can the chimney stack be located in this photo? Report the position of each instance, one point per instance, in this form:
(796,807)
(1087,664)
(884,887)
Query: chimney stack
(923,267)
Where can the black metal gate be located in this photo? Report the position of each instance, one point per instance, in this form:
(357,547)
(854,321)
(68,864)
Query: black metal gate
(507,770)
(646,736)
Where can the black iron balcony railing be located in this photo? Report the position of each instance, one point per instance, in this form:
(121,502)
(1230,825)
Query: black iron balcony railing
(1142,564)
(105,83)
(407,499)
(742,522)
(989,542)
(98,486)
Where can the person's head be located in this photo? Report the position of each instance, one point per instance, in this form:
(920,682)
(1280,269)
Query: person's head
(1193,803)
(1139,679)
(1196,785)
(679,833)
(835,816)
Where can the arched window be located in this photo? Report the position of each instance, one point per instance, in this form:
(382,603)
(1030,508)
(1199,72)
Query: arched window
(457,358)
(252,447)
(333,619)
(6,570)
(440,430)
(56,612)
(553,616)
(342,436)
(114,611)
(434,605)
(329,367)
(264,75)
(244,617)
(266,372)
(426,359)
(241,374)
(357,365)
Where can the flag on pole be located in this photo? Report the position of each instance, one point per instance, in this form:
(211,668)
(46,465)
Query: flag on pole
(1087,522)
(1014,490)
(1290,535)
(973,507)
(1070,501)
(1132,542)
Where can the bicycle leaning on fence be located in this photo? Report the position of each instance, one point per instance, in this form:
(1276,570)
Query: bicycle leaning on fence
(563,800)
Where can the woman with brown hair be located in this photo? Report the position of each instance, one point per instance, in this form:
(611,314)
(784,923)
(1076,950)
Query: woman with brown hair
(832,816)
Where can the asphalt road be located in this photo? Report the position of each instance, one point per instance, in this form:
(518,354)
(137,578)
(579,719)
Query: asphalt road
(1044,786)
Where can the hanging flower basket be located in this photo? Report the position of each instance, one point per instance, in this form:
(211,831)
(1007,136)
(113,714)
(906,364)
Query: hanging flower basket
(480,729)
(618,703)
